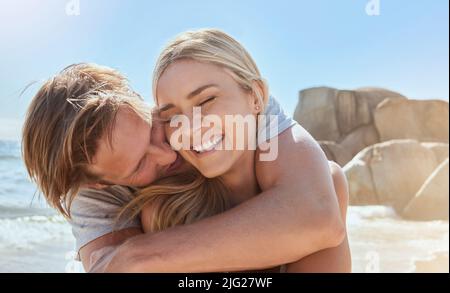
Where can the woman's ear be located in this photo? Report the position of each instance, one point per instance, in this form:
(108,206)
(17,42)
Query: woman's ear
(260,95)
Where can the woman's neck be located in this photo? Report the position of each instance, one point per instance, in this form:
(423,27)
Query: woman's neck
(241,179)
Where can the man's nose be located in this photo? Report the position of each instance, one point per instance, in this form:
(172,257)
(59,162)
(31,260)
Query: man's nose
(162,154)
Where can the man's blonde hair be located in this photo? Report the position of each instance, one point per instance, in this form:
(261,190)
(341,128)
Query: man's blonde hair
(67,117)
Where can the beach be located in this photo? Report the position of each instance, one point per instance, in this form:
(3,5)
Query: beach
(34,238)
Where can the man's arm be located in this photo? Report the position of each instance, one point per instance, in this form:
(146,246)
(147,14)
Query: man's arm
(102,247)
(94,224)
(297,216)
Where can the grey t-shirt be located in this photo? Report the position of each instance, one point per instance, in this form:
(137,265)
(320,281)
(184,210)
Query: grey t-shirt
(94,211)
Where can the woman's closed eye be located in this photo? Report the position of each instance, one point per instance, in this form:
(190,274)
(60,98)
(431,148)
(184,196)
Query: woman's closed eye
(168,118)
(209,99)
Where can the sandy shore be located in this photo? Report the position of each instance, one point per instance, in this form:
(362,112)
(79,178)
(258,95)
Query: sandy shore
(438,263)
(380,241)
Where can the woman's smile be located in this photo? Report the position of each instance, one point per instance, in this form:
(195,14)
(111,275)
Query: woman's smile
(207,147)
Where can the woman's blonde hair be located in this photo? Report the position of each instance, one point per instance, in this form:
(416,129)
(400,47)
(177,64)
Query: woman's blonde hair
(216,47)
(177,200)
(189,197)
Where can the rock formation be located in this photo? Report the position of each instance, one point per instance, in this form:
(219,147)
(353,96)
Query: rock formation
(395,150)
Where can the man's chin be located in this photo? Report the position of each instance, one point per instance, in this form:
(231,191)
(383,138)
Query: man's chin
(176,167)
(181,168)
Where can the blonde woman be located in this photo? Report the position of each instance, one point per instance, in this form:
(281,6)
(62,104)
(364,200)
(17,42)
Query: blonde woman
(210,70)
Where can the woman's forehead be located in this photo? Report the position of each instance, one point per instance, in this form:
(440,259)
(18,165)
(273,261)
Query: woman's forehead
(185,76)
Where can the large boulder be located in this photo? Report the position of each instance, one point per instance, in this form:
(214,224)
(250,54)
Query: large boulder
(440,150)
(360,181)
(422,120)
(350,145)
(431,201)
(344,117)
(330,114)
(316,112)
(358,139)
(389,173)
(336,152)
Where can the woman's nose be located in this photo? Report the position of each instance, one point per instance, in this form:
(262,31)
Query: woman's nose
(191,131)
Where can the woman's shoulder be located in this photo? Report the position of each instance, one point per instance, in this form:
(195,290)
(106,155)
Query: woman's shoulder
(290,154)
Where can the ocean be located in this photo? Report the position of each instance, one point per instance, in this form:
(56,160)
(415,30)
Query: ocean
(34,238)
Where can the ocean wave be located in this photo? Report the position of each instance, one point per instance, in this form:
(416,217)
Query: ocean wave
(15,209)
(9,149)
(357,214)
(26,232)
(10,157)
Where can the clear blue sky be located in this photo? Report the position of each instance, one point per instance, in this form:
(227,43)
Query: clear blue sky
(297,44)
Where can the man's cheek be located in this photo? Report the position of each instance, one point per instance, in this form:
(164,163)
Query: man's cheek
(147,178)
(168,131)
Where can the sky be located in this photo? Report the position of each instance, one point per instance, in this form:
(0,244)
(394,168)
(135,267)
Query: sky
(402,45)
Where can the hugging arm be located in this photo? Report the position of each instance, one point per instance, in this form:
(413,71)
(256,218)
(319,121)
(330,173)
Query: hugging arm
(101,249)
(302,215)
(335,259)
